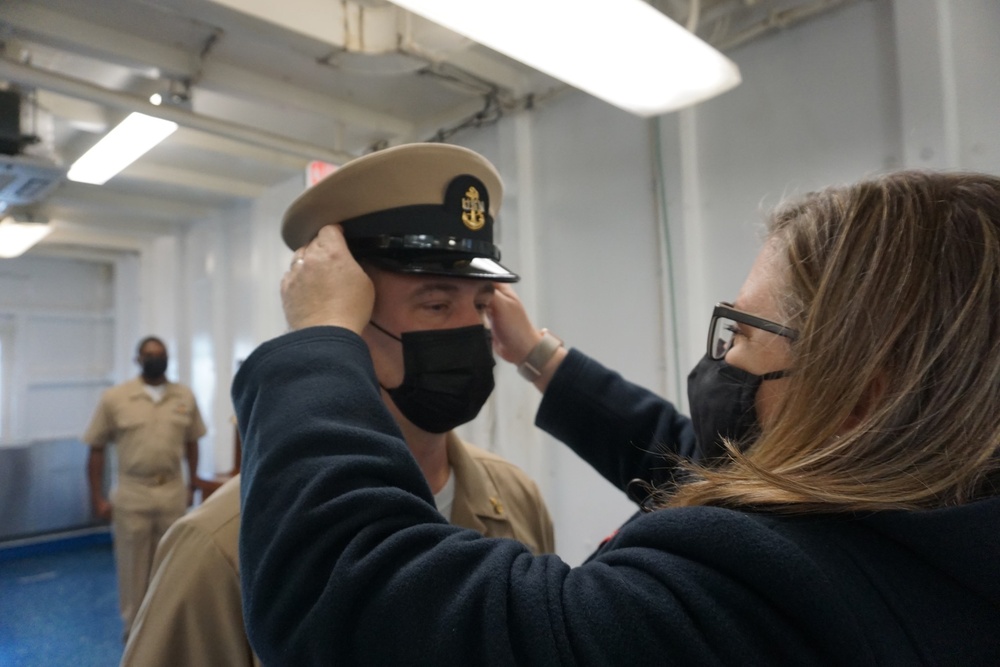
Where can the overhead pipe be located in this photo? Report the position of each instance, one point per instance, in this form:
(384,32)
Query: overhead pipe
(33,77)
(779,20)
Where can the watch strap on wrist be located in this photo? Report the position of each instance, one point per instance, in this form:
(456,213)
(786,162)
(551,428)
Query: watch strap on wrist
(531,368)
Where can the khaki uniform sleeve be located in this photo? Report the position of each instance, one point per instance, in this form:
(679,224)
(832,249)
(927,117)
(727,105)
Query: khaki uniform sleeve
(545,532)
(546,528)
(192,612)
(524,508)
(101,429)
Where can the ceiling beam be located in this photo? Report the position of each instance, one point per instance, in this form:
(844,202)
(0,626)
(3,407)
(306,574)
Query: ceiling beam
(90,39)
(82,114)
(317,19)
(244,84)
(212,143)
(87,38)
(192,180)
(489,70)
(106,201)
(34,77)
(92,117)
(327,23)
(62,241)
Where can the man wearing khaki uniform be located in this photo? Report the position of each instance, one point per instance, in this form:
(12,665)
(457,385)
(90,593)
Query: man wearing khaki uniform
(433,360)
(154,425)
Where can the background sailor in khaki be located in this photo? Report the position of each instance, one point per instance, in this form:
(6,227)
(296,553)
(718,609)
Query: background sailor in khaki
(433,277)
(154,424)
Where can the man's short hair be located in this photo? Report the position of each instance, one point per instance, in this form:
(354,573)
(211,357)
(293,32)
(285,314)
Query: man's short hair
(149,339)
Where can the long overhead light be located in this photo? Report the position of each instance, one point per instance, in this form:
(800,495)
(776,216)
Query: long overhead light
(17,237)
(624,52)
(120,147)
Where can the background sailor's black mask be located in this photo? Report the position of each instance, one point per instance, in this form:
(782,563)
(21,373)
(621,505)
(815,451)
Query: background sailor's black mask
(154,367)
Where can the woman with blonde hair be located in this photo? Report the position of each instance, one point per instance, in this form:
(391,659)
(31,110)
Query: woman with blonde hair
(893,380)
(847,510)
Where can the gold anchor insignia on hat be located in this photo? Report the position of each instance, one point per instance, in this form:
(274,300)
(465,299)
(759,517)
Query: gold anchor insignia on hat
(497,505)
(473,211)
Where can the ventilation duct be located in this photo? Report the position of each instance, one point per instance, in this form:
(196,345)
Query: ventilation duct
(366,36)
(24,179)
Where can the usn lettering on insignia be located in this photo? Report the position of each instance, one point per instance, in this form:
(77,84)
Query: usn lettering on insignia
(473,211)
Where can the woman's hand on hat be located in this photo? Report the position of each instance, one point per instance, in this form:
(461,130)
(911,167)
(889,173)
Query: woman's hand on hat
(325,286)
(513,333)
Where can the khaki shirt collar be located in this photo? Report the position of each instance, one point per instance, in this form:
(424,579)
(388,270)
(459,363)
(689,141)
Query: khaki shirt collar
(137,388)
(476,495)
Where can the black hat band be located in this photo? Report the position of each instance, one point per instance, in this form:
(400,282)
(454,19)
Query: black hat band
(441,228)
(423,243)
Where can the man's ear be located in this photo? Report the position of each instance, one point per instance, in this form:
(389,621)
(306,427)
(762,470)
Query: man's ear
(374,274)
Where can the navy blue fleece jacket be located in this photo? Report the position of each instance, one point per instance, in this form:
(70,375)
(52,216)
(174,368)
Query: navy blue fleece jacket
(345,561)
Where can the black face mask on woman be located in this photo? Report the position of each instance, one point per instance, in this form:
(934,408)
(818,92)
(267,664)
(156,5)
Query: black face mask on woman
(722,399)
(447,376)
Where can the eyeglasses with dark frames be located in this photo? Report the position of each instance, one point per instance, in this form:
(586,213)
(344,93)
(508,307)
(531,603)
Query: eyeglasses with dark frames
(723,328)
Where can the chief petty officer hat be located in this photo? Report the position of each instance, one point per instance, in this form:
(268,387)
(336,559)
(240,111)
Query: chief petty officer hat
(415,208)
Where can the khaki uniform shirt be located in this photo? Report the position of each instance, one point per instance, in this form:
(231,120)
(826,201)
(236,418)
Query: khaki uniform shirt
(150,438)
(497,499)
(192,614)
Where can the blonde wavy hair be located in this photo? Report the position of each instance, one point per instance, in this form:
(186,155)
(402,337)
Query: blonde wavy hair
(893,399)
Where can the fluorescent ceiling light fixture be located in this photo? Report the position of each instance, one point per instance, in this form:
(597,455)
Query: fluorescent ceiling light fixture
(17,237)
(624,52)
(119,148)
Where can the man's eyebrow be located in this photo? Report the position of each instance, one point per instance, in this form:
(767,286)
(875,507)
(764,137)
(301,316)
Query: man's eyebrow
(427,288)
(449,288)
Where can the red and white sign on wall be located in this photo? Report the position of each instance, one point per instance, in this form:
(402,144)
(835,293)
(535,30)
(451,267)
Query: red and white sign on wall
(316,171)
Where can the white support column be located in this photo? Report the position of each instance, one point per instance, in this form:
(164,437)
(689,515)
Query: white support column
(696,251)
(680,285)
(927,83)
(163,288)
(127,307)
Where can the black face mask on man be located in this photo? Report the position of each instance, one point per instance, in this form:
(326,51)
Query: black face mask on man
(154,367)
(447,376)
(723,406)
